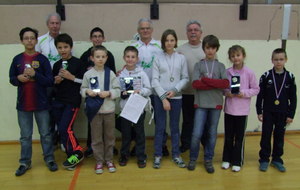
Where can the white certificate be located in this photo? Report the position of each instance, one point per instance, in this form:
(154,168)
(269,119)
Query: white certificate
(134,107)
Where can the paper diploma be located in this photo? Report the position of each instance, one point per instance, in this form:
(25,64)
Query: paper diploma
(134,107)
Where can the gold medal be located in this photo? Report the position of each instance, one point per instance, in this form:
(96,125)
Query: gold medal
(276,102)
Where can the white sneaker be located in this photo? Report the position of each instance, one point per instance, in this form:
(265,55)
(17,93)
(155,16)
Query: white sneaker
(236,168)
(225,165)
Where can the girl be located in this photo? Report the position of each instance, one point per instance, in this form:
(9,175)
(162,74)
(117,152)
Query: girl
(169,77)
(243,85)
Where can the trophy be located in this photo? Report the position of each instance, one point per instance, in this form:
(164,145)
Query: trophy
(64,65)
(127,84)
(95,84)
(235,84)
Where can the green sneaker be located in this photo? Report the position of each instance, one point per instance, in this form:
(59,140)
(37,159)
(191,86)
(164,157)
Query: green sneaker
(73,160)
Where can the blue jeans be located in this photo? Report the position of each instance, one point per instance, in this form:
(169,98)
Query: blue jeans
(25,120)
(160,125)
(210,118)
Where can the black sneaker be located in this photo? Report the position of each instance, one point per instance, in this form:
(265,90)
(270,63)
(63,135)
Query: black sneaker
(132,152)
(22,170)
(88,153)
(141,163)
(123,160)
(73,160)
(52,166)
(209,166)
(165,151)
(191,165)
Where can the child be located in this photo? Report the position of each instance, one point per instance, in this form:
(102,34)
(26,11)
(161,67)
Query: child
(30,71)
(68,73)
(97,38)
(275,106)
(133,80)
(209,78)
(237,107)
(169,77)
(101,87)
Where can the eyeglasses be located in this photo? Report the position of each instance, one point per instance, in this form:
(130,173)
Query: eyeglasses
(95,36)
(194,30)
(29,38)
(146,28)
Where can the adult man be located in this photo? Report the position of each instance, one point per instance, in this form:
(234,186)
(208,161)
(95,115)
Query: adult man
(97,38)
(47,47)
(46,42)
(194,53)
(148,50)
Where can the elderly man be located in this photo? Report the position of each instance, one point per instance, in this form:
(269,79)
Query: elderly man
(46,46)
(46,42)
(194,53)
(148,50)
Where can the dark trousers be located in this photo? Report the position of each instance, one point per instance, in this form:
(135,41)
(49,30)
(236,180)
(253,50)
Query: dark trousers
(188,113)
(272,123)
(52,125)
(65,116)
(234,142)
(126,128)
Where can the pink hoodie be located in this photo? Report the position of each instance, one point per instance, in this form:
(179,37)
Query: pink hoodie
(248,86)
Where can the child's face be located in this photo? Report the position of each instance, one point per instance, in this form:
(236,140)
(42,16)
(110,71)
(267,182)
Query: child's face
(170,43)
(131,58)
(64,50)
(97,38)
(210,52)
(29,40)
(237,58)
(279,61)
(99,58)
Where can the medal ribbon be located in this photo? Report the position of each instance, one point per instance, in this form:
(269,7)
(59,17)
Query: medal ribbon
(275,86)
(170,61)
(212,69)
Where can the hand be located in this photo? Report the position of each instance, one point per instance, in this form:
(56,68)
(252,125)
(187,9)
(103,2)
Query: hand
(66,74)
(29,71)
(136,91)
(23,78)
(104,94)
(166,104)
(289,120)
(228,94)
(124,93)
(170,94)
(240,95)
(58,79)
(91,93)
(260,117)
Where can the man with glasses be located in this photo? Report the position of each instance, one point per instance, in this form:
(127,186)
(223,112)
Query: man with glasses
(148,49)
(193,52)
(46,42)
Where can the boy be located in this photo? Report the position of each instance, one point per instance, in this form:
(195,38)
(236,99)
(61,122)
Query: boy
(275,107)
(97,38)
(133,80)
(68,73)
(30,71)
(209,78)
(101,87)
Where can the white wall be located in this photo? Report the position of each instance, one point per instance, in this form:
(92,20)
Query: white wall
(258,59)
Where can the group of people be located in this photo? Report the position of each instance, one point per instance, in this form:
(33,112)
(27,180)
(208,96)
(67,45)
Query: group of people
(52,82)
